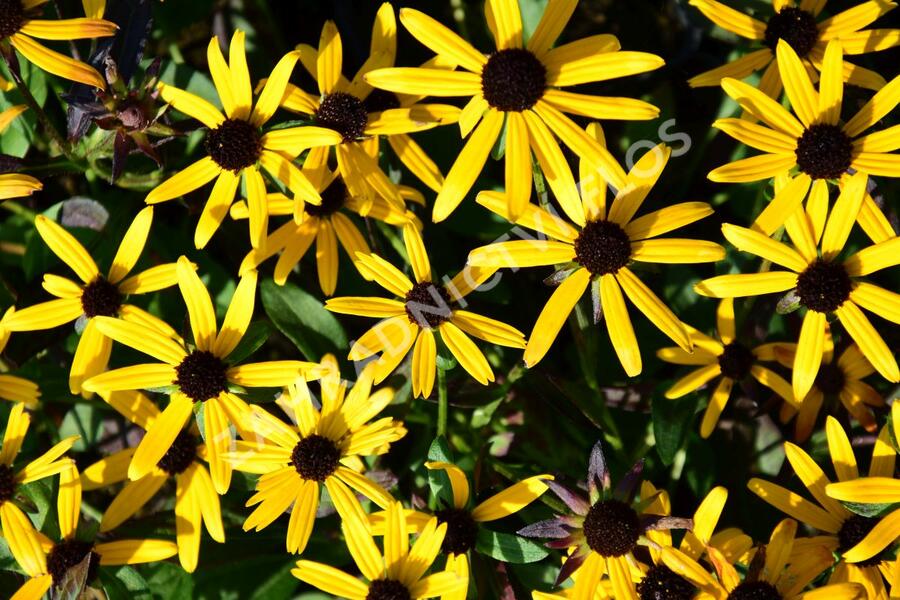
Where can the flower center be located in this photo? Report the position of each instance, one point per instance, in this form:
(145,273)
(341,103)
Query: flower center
(69,553)
(381,100)
(345,113)
(824,286)
(180,454)
(602,247)
(333,199)
(315,457)
(461,530)
(388,589)
(513,80)
(7,483)
(428,305)
(201,376)
(661,583)
(12,16)
(755,590)
(100,298)
(853,531)
(830,379)
(824,151)
(796,27)
(736,360)
(234,145)
(612,528)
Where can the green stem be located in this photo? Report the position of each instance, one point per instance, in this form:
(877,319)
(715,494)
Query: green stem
(18,209)
(442,402)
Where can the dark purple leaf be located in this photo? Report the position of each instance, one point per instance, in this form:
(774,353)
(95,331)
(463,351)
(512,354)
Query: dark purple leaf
(575,501)
(570,566)
(598,472)
(549,528)
(628,486)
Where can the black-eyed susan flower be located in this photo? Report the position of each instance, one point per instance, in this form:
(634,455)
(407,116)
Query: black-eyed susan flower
(12,388)
(327,224)
(20,24)
(725,357)
(97,295)
(196,501)
(196,373)
(399,571)
(595,251)
(362,115)
(822,283)
(839,529)
(806,30)
(519,85)
(424,309)
(325,448)
(811,142)
(235,146)
(774,574)
(872,542)
(12,184)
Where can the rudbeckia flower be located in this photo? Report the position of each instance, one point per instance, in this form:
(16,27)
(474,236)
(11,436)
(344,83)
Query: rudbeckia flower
(805,30)
(47,563)
(519,87)
(198,373)
(812,140)
(841,530)
(822,283)
(13,185)
(774,574)
(595,251)
(196,501)
(19,26)
(12,388)
(397,572)
(234,144)
(325,448)
(96,295)
(726,357)
(362,115)
(327,224)
(425,308)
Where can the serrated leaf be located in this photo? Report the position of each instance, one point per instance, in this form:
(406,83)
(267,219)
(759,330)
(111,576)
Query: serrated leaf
(303,320)
(508,547)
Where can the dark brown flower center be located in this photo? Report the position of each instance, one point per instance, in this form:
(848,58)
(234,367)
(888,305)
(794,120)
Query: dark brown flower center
(830,379)
(796,27)
(824,286)
(333,199)
(7,483)
(661,583)
(461,530)
(612,528)
(602,247)
(824,151)
(388,589)
(100,298)
(69,553)
(344,113)
(755,590)
(315,457)
(12,17)
(513,80)
(234,145)
(853,531)
(380,100)
(180,454)
(201,376)
(736,361)
(428,305)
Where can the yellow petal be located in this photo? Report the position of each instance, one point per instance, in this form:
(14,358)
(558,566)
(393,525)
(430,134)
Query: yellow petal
(67,248)
(554,314)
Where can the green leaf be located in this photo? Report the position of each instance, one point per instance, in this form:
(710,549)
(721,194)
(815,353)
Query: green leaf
(280,585)
(671,419)
(438,480)
(508,547)
(303,320)
(124,583)
(84,421)
(170,581)
(870,510)
(255,336)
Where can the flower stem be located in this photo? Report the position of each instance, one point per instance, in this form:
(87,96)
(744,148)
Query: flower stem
(442,402)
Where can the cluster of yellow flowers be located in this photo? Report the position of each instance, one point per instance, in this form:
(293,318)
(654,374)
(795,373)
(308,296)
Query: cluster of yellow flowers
(617,541)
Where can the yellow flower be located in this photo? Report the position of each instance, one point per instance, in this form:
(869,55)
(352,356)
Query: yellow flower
(326,447)
(843,532)
(362,115)
(823,284)
(235,147)
(775,572)
(425,308)
(520,85)
(727,357)
(13,185)
(802,29)
(326,224)
(95,296)
(196,501)
(12,388)
(398,572)
(595,253)
(20,27)
(813,142)
(200,373)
